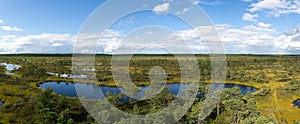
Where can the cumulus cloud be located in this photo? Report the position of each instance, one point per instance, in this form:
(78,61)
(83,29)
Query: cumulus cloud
(247,0)
(207,33)
(57,44)
(262,38)
(61,43)
(276,8)
(103,42)
(163,8)
(248,34)
(261,24)
(291,40)
(43,43)
(110,41)
(208,2)
(183,11)
(9,28)
(248,39)
(195,2)
(250,17)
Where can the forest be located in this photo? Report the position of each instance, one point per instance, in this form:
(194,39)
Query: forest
(276,79)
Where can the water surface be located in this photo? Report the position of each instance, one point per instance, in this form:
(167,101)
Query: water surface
(297,103)
(10,67)
(1,103)
(92,91)
(79,76)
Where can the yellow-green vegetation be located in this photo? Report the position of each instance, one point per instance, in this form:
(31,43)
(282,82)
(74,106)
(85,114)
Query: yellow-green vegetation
(277,79)
(8,94)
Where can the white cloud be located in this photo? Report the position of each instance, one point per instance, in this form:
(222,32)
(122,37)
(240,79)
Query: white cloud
(229,34)
(43,43)
(57,44)
(208,2)
(291,40)
(196,2)
(269,5)
(261,24)
(250,17)
(163,8)
(110,41)
(128,21)
(9,28)
(103,42)
(248,39)
(207,32)
(247,0)
(183,11)
(276,7)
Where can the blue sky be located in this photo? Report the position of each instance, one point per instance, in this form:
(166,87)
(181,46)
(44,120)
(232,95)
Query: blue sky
(47,16)
(244,26)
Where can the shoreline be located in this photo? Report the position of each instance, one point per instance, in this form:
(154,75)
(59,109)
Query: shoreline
(112,84)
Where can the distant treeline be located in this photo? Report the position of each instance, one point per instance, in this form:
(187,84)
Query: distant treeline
(70,55)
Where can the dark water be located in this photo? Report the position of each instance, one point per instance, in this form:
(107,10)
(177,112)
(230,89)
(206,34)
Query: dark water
(244,89)
(283,80)
(297,103)
(92,91)
(1,103)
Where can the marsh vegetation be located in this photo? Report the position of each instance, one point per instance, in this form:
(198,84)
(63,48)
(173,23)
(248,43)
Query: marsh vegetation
(276,78)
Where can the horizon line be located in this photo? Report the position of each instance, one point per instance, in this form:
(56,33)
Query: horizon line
(262,54)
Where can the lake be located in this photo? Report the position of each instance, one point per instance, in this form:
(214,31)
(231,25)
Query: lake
(68,89)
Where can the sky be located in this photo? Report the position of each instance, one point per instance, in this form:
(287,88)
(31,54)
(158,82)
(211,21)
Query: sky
(239,26)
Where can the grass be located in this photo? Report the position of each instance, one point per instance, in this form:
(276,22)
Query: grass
(278,102)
